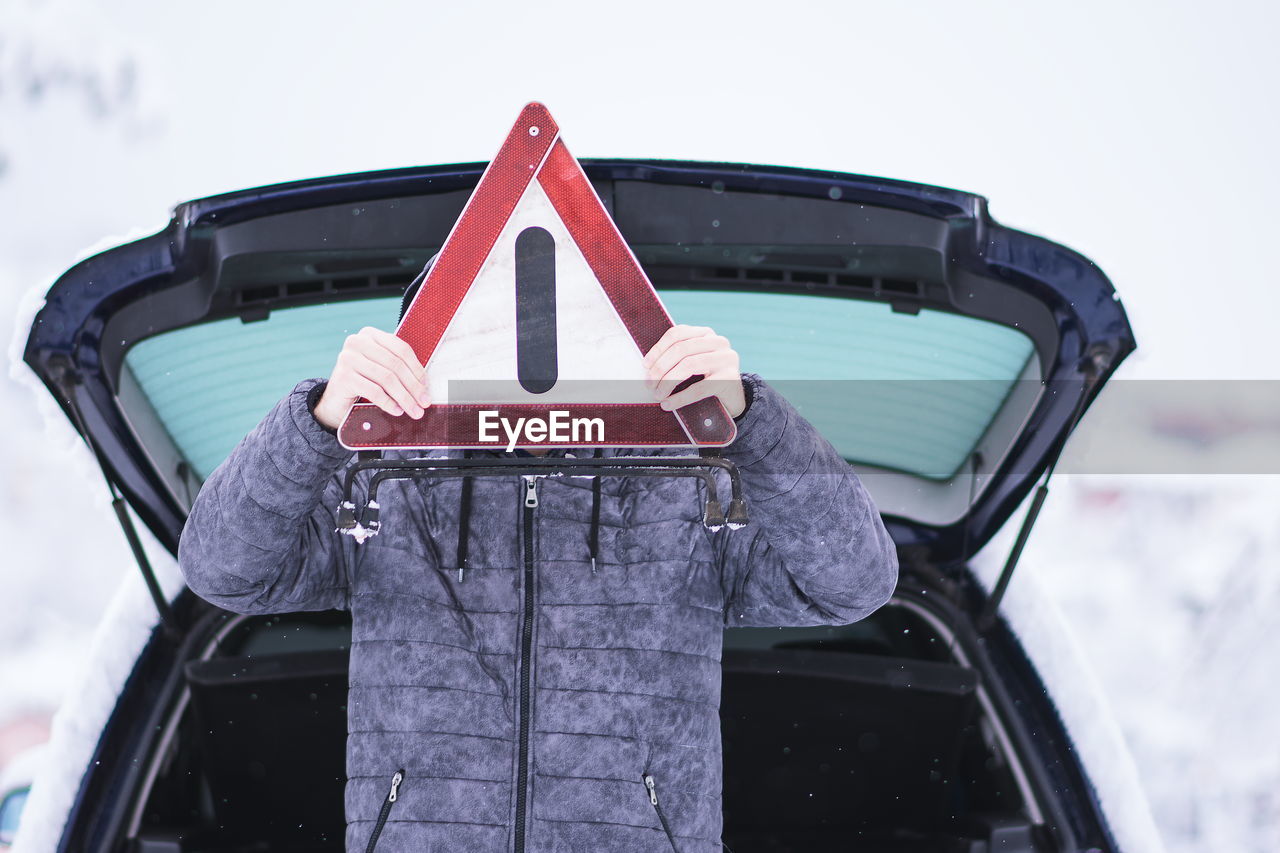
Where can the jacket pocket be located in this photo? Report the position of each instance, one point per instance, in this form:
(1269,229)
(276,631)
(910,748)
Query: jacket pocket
(385,811)
(651,786)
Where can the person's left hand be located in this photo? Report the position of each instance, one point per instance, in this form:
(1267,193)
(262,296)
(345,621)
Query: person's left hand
(686,351)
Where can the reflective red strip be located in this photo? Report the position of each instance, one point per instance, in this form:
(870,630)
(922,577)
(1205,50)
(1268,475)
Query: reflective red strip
(458,425)
(619,273)
(602,245)
(477,229)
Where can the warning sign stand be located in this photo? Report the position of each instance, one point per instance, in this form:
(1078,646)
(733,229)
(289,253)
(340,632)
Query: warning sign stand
(534,296)
(365,522)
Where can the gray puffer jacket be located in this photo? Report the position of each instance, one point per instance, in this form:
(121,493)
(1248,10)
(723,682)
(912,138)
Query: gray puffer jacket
(538,701)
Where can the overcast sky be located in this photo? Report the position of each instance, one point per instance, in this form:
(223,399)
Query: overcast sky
(1141,134)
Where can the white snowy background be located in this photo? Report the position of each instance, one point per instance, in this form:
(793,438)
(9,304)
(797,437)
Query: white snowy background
(1141,133)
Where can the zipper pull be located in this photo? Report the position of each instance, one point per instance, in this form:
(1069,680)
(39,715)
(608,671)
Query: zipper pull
(395,786)
(531,490)
(649,783)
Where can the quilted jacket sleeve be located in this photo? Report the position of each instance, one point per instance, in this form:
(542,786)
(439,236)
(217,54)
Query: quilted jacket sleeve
(260,537)
(815,551)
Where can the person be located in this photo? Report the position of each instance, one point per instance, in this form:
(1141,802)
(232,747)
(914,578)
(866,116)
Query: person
(535,662)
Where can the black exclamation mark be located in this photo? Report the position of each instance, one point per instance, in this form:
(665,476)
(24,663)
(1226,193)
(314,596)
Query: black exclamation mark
(536,361)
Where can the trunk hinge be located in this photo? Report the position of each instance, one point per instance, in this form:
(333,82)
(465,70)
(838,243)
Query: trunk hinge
(1094,368)
(66,380)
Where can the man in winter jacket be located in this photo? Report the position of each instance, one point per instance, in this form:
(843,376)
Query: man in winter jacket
(535,662)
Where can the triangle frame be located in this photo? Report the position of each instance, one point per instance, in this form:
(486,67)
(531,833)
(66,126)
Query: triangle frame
(534,151)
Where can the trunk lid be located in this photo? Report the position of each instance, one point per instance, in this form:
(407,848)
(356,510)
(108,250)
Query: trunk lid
(946,355)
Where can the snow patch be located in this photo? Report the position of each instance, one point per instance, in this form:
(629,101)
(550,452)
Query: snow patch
(77,726)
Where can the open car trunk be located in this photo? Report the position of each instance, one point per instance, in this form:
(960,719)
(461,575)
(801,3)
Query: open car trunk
(946,356)
(867,737)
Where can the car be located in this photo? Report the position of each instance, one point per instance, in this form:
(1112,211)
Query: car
(947,356)
(15,787)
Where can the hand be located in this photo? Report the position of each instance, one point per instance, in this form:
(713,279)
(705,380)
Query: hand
(686,351)
(379,367)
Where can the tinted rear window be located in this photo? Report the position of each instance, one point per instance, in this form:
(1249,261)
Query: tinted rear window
(907,392)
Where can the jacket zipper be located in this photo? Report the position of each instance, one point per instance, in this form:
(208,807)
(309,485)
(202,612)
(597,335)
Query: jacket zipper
(386,810)
(526,649)
(653,798)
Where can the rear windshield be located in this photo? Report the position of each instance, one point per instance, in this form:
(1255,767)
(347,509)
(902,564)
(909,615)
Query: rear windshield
(900,391)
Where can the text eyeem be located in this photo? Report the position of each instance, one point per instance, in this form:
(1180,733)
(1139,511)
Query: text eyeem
(557,427)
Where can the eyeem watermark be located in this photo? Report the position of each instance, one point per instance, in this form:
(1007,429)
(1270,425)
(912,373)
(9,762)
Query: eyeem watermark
(559,426)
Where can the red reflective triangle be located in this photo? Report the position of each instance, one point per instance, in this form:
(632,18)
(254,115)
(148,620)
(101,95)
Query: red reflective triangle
(533,151)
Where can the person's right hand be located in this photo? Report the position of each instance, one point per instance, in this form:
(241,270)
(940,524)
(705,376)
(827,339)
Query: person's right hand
(379,367)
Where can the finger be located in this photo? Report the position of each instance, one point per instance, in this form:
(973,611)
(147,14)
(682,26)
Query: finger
(393,352)
(690,365)
(674,335)
(374,393)
(699,390)
(671,336)
(401,348)
(390,383)
(703,363)
(683,349)
(376,352)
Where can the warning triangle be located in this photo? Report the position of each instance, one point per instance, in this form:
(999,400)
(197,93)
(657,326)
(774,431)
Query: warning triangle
(533,321)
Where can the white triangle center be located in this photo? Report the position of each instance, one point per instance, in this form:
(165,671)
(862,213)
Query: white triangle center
(476,358)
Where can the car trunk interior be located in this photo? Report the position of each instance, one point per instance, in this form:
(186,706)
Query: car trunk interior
(870,736)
